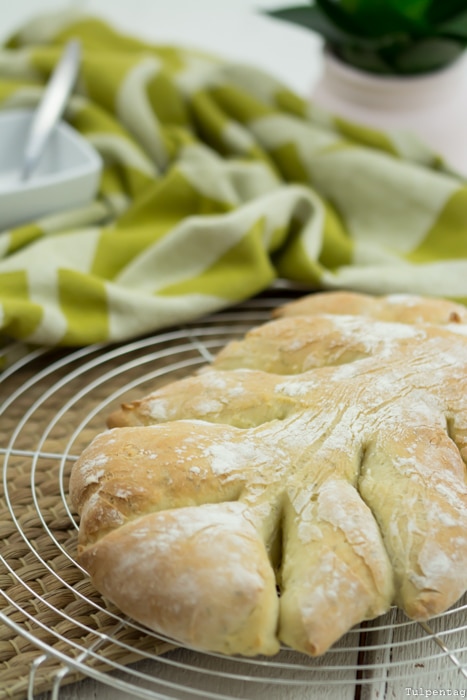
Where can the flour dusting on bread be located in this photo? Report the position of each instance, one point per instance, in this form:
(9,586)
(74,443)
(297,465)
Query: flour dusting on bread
(322,455)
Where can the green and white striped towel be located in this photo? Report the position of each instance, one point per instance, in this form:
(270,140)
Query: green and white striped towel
(217,181)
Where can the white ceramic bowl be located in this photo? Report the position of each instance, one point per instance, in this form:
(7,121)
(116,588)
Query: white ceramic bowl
(67,175)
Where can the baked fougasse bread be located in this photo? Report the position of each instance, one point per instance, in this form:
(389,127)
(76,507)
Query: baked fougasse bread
(323,455)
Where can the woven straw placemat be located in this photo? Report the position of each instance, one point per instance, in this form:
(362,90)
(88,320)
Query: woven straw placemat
(45,594)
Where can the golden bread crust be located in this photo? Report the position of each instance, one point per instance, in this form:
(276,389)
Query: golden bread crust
(323,451)
(402,308)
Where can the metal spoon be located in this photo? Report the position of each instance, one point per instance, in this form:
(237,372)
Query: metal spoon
(51,106)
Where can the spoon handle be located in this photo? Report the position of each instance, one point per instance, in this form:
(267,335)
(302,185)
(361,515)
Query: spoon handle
(51,106)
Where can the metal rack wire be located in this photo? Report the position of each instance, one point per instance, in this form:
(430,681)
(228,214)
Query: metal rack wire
(61,629)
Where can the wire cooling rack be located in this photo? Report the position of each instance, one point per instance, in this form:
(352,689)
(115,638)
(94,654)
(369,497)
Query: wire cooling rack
(57,629)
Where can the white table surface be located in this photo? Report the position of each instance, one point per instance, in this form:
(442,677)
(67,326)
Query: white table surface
(237,30)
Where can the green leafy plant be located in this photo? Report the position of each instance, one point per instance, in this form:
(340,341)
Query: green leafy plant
(387,36)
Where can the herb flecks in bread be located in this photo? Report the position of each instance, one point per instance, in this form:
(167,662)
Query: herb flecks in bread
(325,452)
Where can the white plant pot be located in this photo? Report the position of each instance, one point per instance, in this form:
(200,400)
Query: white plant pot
(432,106)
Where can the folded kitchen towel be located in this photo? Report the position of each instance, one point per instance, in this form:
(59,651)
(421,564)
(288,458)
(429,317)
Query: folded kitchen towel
(217,181)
